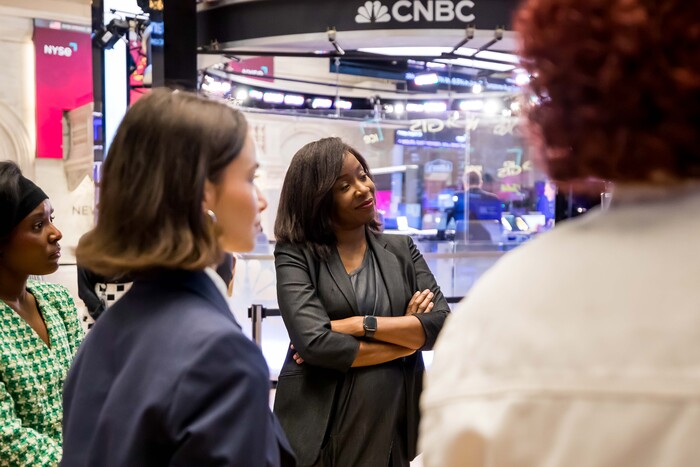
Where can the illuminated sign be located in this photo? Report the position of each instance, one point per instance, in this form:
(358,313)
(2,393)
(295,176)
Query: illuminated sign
(405,11)
(435,125)
(430,140)
(262,68)
(371,131)
(60,51)
(63,80)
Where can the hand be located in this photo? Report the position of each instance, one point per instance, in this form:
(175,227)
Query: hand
(421,302)
(297,358)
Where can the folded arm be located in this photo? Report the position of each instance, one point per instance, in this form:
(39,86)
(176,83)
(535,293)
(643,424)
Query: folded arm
(404,331)
(305,317)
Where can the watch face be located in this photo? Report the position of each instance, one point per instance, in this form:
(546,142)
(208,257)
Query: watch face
(370,323)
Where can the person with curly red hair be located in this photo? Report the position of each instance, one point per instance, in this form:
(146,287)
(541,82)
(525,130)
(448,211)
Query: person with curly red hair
(581,348)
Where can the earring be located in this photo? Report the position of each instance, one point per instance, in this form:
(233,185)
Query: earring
(211,215)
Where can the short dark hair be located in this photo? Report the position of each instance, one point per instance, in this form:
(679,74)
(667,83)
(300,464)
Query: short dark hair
(619,86)
(10,175)
(150,210)
(472,178)
(305,211)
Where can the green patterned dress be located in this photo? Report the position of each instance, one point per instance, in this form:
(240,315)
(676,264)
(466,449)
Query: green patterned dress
(31,377)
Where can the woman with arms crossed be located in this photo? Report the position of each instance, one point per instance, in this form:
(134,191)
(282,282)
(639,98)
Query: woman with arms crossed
(359,306)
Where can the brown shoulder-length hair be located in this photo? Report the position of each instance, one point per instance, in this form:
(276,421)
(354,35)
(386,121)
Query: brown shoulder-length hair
(619,86)
(305,211)
(150,209)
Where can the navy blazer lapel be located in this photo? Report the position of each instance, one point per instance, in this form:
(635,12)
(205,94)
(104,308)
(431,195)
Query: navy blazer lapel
(340,276)
(391,273)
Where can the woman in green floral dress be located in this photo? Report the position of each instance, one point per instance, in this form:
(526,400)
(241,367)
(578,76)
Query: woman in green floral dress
(39,328)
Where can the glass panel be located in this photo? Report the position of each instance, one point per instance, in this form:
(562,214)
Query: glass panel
(458,176)
(462,184)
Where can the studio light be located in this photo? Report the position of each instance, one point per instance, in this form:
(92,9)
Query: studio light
(107,36)
(321,103)
(273,97)
(214,86)
(341,104)
(294,100)
(426,79)
(493,107)
(435,107)
(331,32)
(413,107)
(471,105)
(241,95)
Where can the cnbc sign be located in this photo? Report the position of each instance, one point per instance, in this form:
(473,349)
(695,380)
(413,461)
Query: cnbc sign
(407,11)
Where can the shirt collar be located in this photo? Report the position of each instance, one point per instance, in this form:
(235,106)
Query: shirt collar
(220,285)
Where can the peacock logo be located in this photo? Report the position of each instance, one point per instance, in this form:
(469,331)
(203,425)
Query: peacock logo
(373,12)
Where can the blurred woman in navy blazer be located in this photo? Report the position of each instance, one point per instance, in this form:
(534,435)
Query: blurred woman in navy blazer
(166,376)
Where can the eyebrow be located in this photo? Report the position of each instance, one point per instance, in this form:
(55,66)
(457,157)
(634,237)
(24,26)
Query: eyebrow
(358,170)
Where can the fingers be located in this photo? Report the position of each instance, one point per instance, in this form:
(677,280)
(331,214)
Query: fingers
(414,298)
(297,358)
(419,302)
(427,303)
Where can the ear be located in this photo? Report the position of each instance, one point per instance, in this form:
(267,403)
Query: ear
(209,199)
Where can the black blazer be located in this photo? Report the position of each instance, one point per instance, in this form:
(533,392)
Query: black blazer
(166,377)
(310,294)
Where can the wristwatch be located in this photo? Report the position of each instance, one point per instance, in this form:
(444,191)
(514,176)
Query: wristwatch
(370,325)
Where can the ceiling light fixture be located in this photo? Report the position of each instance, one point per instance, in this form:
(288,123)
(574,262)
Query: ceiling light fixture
(426,79)
(332,39)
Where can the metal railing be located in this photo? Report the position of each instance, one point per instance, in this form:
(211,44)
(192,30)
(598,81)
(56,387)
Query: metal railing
(257,313)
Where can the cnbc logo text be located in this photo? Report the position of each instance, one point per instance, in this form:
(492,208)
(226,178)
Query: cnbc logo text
(405,11)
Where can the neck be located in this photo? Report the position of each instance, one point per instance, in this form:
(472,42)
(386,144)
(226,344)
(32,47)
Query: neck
(12,288)
(351,239)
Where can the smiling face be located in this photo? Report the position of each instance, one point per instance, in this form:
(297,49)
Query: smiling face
(32,248)
(237,202)
(353,196)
